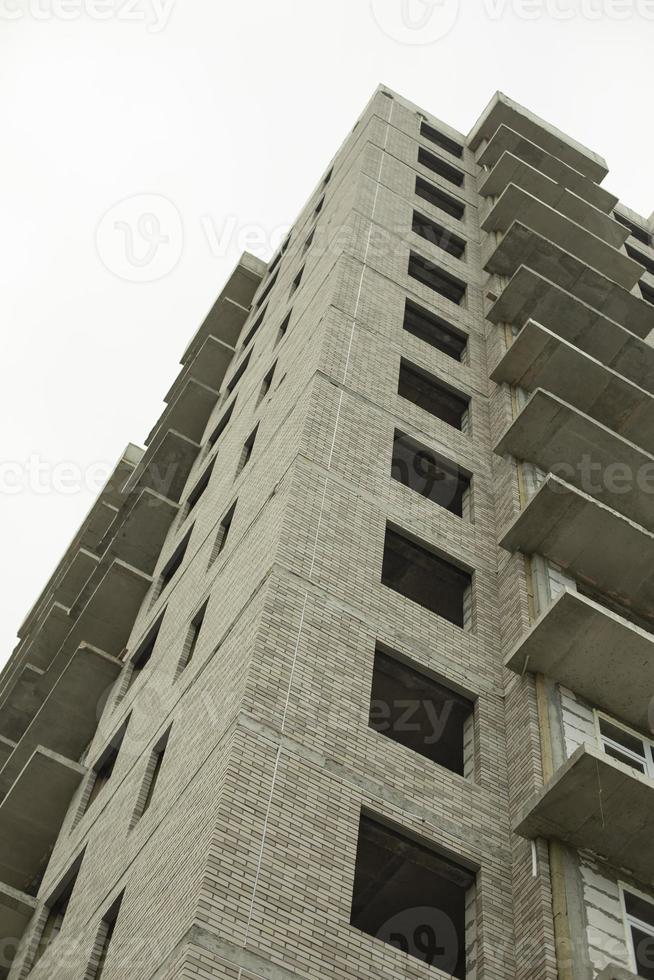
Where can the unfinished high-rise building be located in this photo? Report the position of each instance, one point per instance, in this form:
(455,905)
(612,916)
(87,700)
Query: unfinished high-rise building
(348,674)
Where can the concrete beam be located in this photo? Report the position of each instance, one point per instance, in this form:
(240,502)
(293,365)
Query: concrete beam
(66,721)
(589,540)
(511,171)
(502,111)
(558,438)
(166,464)
(538,358)
(529,296)
(587,648)
(208,367)
(515,204)
(596,803)
(506,140)
(140,529)
(16,910)
(188,413)
(31,815)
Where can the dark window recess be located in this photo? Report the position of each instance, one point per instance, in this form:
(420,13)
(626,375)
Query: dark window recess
(425,578)
(440,139)
(308,242)
(199,488)
(57,906)
(103,939)
(144,652)
(411,897)
(432,395)
(295,285)
(275,262)
(328,176)
(104,767)
(283,326)
(154,771)
(639,233)
(266,291)
(437,279)
(642,932)
(222,424)
(438,235)
(223,533)
(193,635)
(434,330)
(248,446)
(440,167)
(637,256)
(421,470)
(238,374)
(175,560)
(255,326)
(267,382)
(319,206)
(441,200)
(646,292)
(413,709)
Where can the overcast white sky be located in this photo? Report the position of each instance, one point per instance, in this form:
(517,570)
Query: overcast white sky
(229,112)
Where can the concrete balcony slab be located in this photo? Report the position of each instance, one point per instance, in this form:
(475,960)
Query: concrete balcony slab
(81,567)
(530,296)
(16,910)
(66,721)
(515,204)
(506,140)
(166,465)
(208,367)
(589,540)
(31,815)
(6,748)
(42,647)
(523,246)
(539,358)
(140,529)
(511,171)
(106,609)
(188,413)
(602,657)
(20,701)
(596,803)
(558,438)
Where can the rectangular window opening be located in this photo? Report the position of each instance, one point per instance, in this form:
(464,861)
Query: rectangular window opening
(266,384)
(410,707)
(424,577)
(222,425)
(103,940)
(319,206)
(309,241)
(104,767)
(152,774)
(439,199)
(238,374)
(248,446)
(647,292)
(640,925)
(173,564)
(145,650)
(266,291)
(410,896)
(438,235)
(433,395)
(57,907)
(440,167)
(199,488)
(637,256)
(437,279)
(295,285)
(255,326)
(283,327)
(192,636)
(223,533)
(423,471)
(626,746)
(440,139)
(434,330)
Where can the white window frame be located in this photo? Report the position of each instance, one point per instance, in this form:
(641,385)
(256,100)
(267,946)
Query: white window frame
(631,920)
(648,746)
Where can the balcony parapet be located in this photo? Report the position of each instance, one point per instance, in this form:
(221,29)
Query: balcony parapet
(602,657)
(506,141)
(207,367)
(166,464)
(592,542)
(529,295)
(139,531)
(188,413)
(538,358)
(517,205)
(593,802)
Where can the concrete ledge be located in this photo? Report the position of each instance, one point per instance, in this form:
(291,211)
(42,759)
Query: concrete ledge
(66,721)
(529,296)
(596,803)
(557,437)
(7,746)
(188,413)
(208,367)
(20,701)
(502,111)
(140,529)
(523,246)
(515,204)
(602,657)
(166,465)
(16,910)
(506,140)
(510,172)
(539,358)
(589,540)
(31,815)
